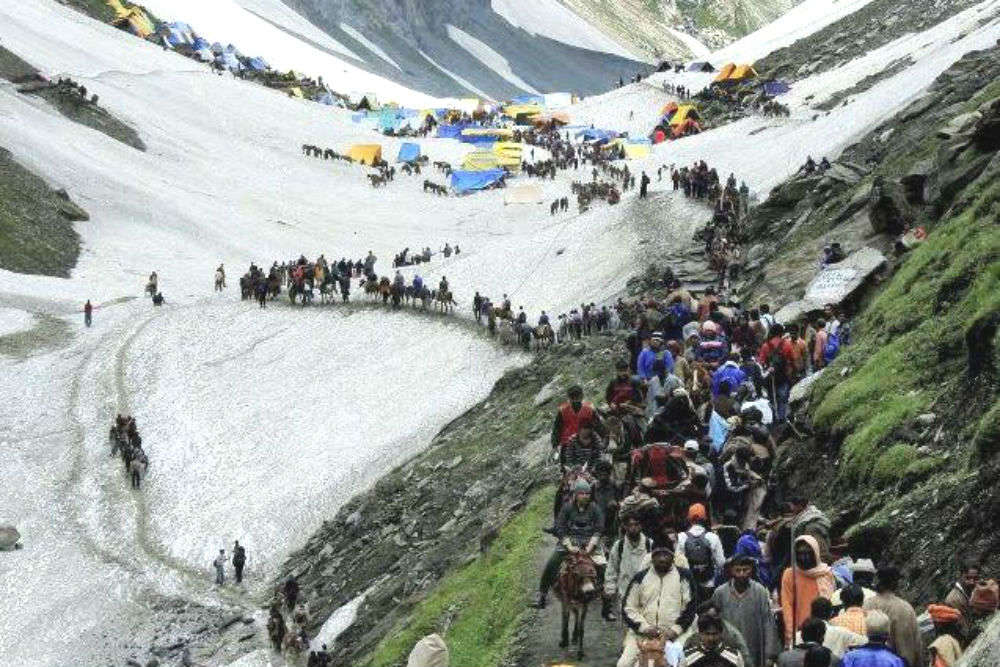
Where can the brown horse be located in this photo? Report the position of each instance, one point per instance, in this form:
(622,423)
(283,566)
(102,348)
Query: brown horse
(543,337)
(576,588)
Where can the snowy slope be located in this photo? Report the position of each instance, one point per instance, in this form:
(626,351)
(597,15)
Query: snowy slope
(552,19)
(259,424)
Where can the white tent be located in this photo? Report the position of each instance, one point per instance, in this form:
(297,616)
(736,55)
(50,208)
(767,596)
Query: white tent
(553,100)
(525,193)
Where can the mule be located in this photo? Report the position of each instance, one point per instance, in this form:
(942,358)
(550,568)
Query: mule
(576,588)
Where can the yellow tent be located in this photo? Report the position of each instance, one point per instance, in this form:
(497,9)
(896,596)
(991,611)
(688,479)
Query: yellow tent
(508,154)
(515,110)
(365,153)
(684,112)
(742,73)
(295,91)
(132,17)
(636,151)
(725,72)
(480,161)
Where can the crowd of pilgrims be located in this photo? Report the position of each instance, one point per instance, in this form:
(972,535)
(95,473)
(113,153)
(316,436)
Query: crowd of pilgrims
(669,487)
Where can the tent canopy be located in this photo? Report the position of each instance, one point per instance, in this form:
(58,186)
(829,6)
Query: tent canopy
(636,151)
(668,108)
(684,112)
(725,72)
(368,101)
(700,66)
(742,73)
(515,110)
(365,153)
(508,154)
(463,182)
(453,131)
(408,152)
(775,88)
(593,134)
(554,118)
(528,99)
(258,64)
(525,193)
(480,161)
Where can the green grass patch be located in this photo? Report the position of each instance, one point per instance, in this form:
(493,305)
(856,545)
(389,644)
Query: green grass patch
(483,601)
(912,338)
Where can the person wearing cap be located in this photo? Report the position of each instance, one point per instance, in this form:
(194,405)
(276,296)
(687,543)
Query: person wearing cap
(902,630)
(570,415)
(659,601)
(746,604)
(876,653)
(946,649)
(703,550)
(578,529)
(698,468)
(862,574)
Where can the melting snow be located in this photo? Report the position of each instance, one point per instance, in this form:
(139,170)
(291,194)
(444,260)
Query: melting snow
(13,320)
(370,45)
(551,19)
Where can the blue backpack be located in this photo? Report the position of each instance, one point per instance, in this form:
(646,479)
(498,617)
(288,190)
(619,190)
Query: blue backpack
(832,348)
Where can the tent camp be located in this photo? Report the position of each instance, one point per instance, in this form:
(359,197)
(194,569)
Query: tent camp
(743,73)
(595,135)
(258,64)
(700,66)
(525,193)
(365,153)
(725,72)
(463,182)
(480,161)
(408,152)
(684,112)
(453,131)
(229,60)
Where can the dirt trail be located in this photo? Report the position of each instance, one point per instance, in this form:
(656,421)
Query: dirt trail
(602,640)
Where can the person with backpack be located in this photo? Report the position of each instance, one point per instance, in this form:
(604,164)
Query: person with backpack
(703,550)
(628,555)
(239,561)
(778,357)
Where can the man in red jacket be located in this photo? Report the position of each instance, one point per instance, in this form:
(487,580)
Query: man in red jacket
(777,355)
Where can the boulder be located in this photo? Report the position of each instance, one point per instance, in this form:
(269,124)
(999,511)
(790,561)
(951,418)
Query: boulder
(9,537)
(801,388)
(986,132)
(431,651)
(959,125)
(915,181)
(548,392)
(888,210)
(843,174)
(834,284)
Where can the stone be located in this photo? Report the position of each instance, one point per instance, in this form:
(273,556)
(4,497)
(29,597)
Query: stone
(800,390)
(448,525)
(915,181)
(9,537)
(926,419)
(453,463)
(353,519)
(986,133)
(548,392)
(834,284)
(960,124)
(841,173)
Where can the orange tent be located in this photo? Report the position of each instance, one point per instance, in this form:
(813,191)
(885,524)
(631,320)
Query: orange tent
(669,107)
(742,73)
(725,72)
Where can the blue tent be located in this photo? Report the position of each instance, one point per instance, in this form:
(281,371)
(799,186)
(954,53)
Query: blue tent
(408,152)
(229,61)
(452,131)
(200,43)
(601,136)
(258,64)
(463,182)
(775,88)
(478,139)
(326,98)
(217,48)
(529,99)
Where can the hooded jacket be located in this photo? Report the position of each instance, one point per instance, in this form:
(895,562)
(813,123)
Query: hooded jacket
(800,587)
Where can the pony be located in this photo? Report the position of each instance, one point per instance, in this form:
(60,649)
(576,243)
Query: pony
(543,337)
(576,587)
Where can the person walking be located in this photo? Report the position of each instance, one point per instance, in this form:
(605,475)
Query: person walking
(88,313)
(239,561)
(220,568)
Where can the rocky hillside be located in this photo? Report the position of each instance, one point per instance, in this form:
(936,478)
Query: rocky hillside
(906,424)
(649,27)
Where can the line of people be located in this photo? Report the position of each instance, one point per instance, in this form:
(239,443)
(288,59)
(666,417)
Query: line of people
(126,442)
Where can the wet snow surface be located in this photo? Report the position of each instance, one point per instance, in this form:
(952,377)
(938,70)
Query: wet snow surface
(259,424)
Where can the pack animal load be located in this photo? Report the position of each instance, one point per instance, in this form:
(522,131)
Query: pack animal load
(661,470)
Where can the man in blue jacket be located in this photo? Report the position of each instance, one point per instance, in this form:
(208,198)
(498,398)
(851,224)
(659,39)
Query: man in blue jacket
(730,371)
(647,364)
(875,653)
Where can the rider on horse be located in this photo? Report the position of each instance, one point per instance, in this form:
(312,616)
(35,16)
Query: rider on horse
(570,416)
(578,530)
